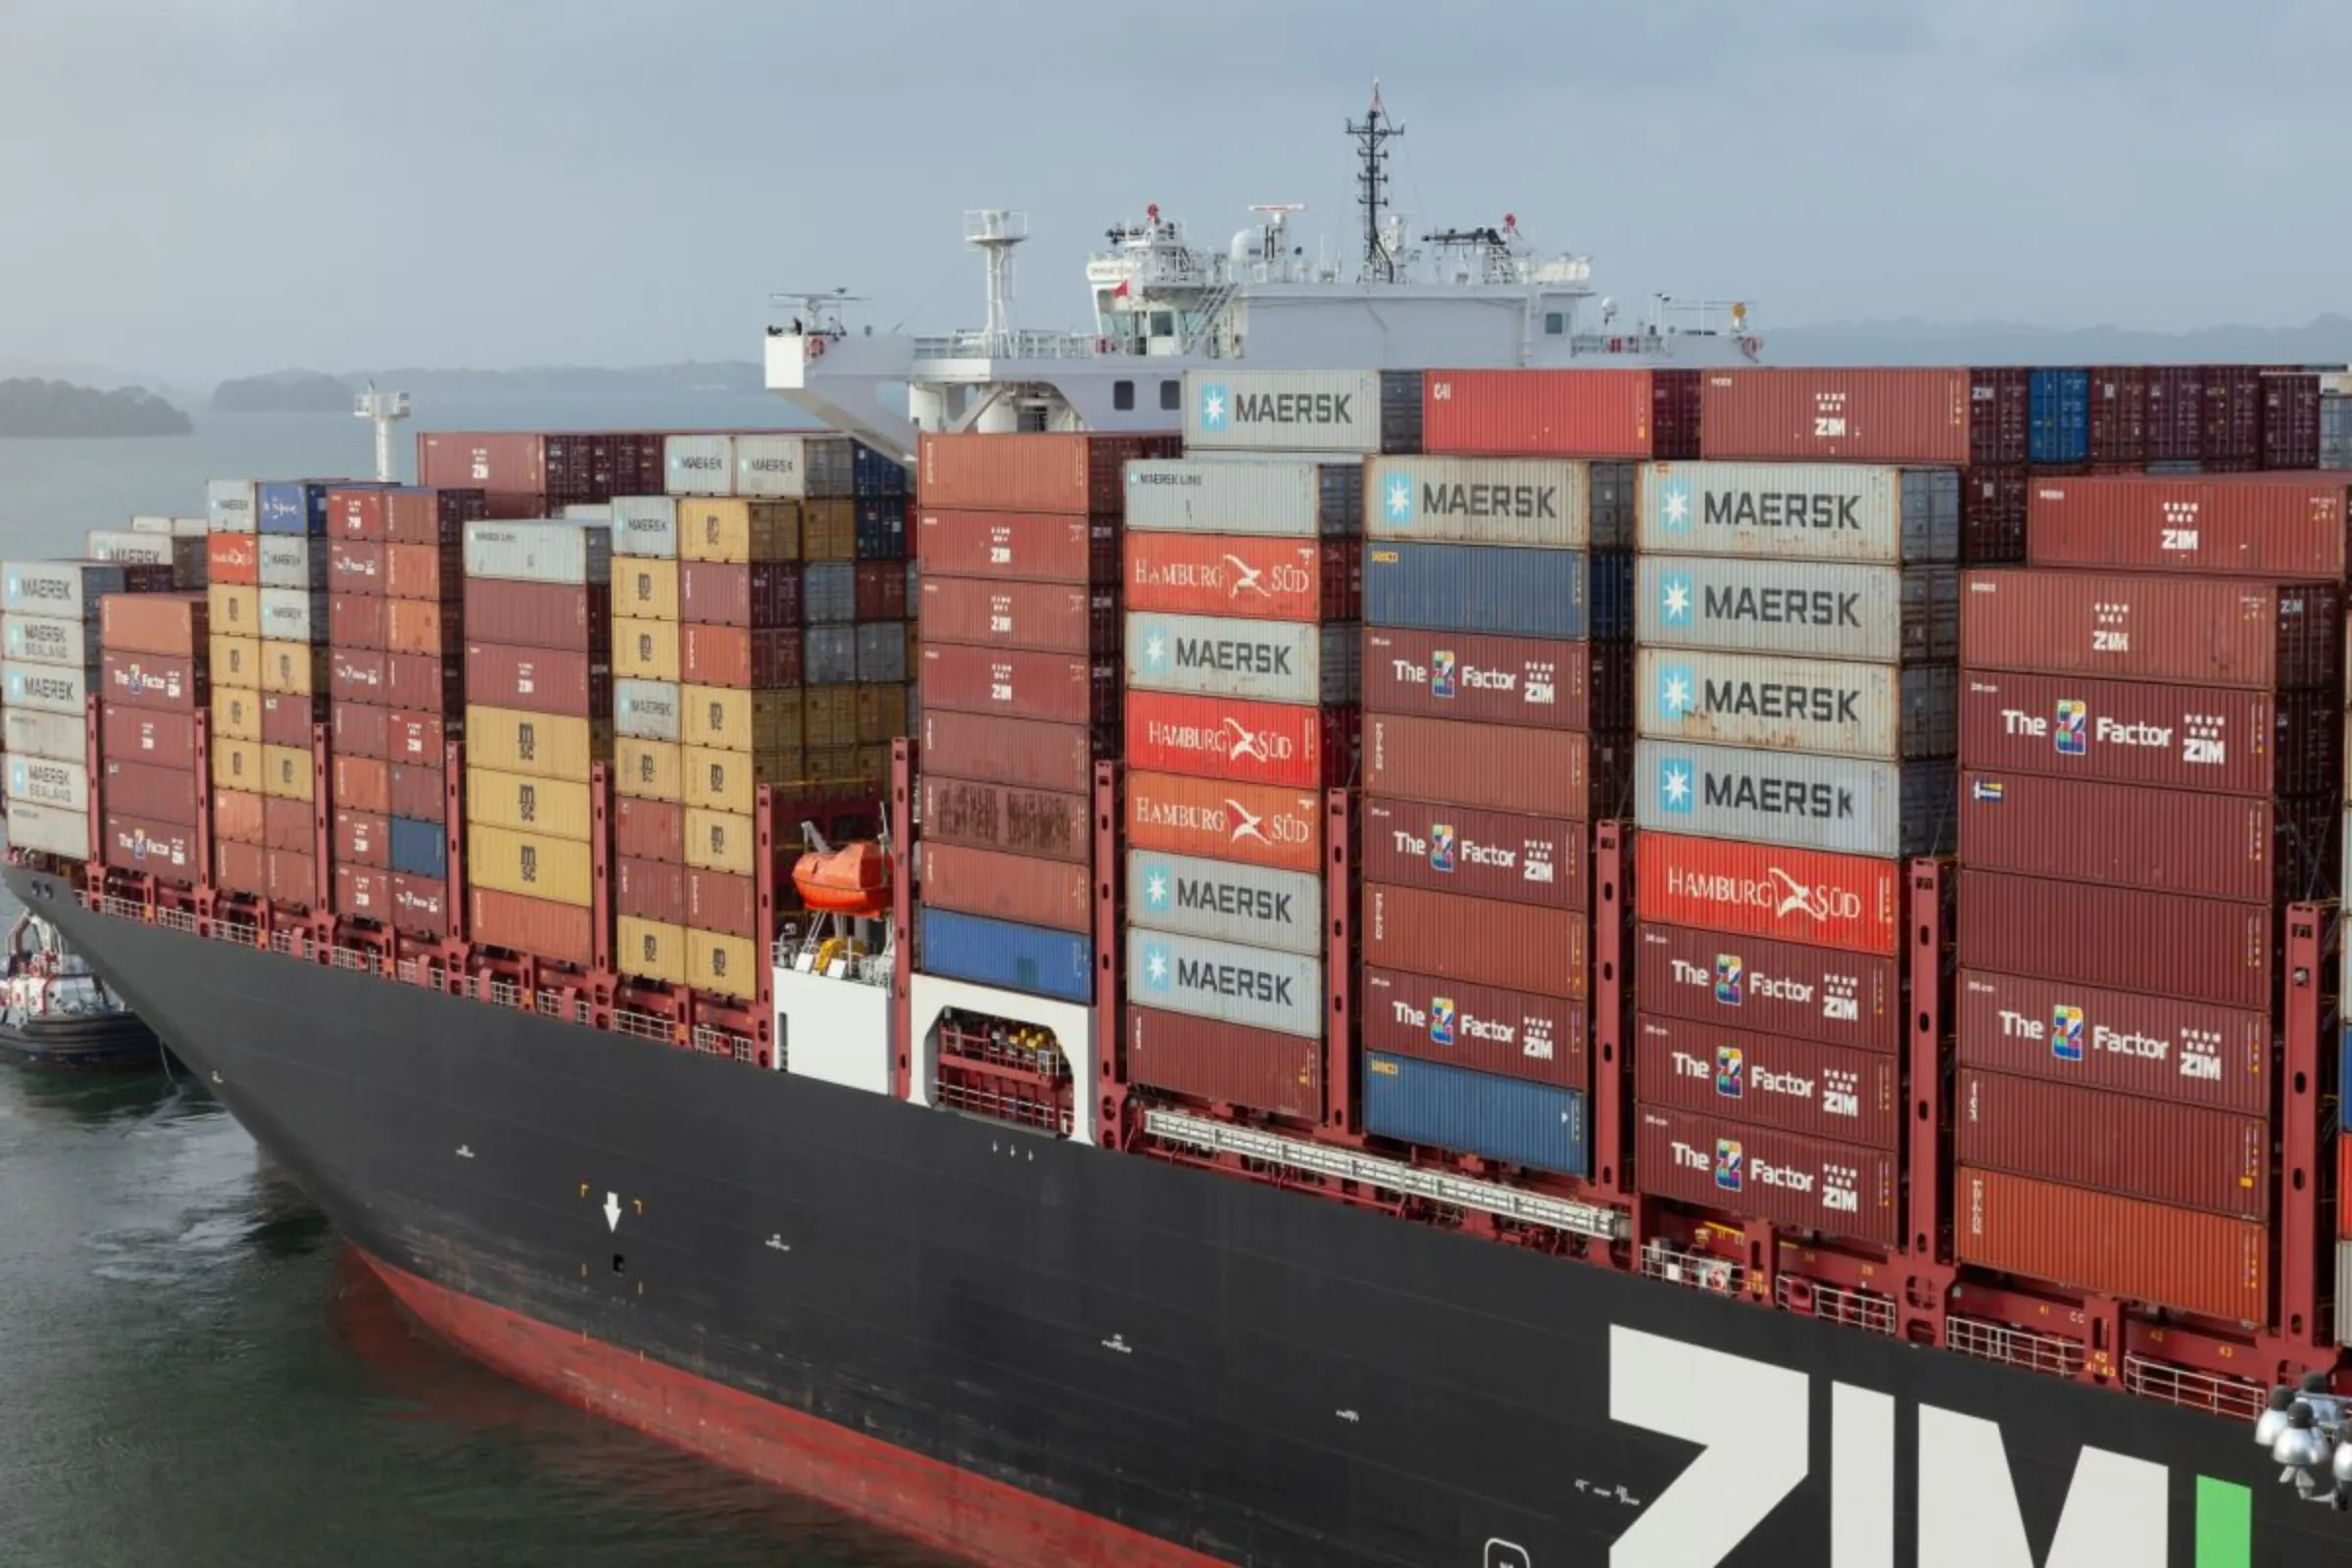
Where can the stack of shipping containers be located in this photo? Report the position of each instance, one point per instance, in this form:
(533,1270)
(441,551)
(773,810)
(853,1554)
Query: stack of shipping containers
(49,621)
(2151,739)
(155,651)
(649,811)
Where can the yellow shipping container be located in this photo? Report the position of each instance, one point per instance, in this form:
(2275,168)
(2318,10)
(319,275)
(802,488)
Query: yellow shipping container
(646,589)
(295,670)
(834,764)
(720,841)
(828,530)
(717,962)
(237,716)
(286,773)
(528,805)
(645,650)
(532,865)
(236,661)
(729,781)
(237,763)
(506,739)
(735,721)
(881,714)
(645,770)
(829,716)
(874,765)
(235,612)
(651,949)
(737,530)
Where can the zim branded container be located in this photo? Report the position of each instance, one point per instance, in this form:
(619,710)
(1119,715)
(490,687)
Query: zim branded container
(1049,617)
(2132,1146)
(1514,1034)
(2125,1247)
(2193,1053)
(1547,772)
(1254,823)
(1834,900)
(2118,939)
(1267,660)
(1535,682)
(1807,1183)
(1001,954)
(1845,415)
(355,567)
(1809,510)
(1026,753)
(363,838)
(147,735)
(1281,744)
(1817,610)
(1019,547)
(1505,856)
(1225,901)
(1790,1085)
(538,680)
(1543,502)
(1038,471)
(2218,632)
(1495,589)
(1778,702)
(1517,946)
(1596,414)
(1751,983)
(1227,981)
(1056,688)
(1838,804)
(1053,893)
(1513,1121)
(1243,574)
(1225,1063)
(2268,525)
(129,843)
(2243,847)
(2211,738)
(482,461)
(1302,411)
(1041,823)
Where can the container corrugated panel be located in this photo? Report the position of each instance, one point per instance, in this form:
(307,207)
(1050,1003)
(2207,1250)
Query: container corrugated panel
(1254,823)
(1545,772)
(1822,610)
(46,781)
(2202,632)
(1010,751)
(655,949)
(287,720)
(776,465)
(292,505)
(164,794)
(295,614)
(161,848)
(650,890)
(356,621)
(572,554)
(2058,417)
(1841,415)
(1753,983)
(2125,1247)
(829,592)
(359,729)
(1517,946)
(538,680)
(50,640)
(292,562)
(740,720)
(1593,414)
(646,710)
(419,849)
(1053,893)
(1269,660)
(1010,683)
(2267,525)
(1489,588)
(726,906)
(542,745)
(646,588)
(1790,1085)
(241,816)
(645,650)
(354,566)
(287,772)
(1303,410)
(1838,804)
(49,688)
(882,652)
(829,655)
(829,716)
(741,532)
(232,560)
(68,833)
(558,931)
(363,838)
(646,526)
(1511,1120)
(26,733)
(1541,502)
(2119,939)
(762,595)
(1508,857)
(1046,472)
(1240,574)
(229,506)
(237,714)
(1013,546)
(176,625)
(1284,497)
(1225,1063)
(426,571)
(361,783)
(736,656)
(1049,617)
(1515,1034)
(699,465)
(70,589)
(1281,744)
(1808,1183)
(1864,515)
(2218,739)
(2248,847)
(649,831)
(2193,1053)
(729,781)
(1835,900)
(999,953)
(293,669)
(1539,683)
(989,816)
(1223,901)
(532,865)
(234,612)
(536,614)
(1776,702)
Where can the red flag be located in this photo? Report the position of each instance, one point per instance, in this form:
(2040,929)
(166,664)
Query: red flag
(1120,292)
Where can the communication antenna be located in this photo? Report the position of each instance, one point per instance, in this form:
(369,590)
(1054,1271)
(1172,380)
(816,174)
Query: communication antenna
(1372,135)
(386,409)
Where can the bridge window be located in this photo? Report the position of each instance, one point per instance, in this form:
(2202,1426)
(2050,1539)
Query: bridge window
(1171,395)
(1122,395)
(1555,322)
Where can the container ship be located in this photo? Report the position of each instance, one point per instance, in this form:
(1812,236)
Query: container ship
(1686,962)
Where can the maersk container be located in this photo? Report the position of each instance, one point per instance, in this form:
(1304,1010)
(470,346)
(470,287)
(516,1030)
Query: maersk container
(49,688)
(572,554)
(646,526)
(292,560)
(51,640)
(646,710)
(775,465)
(231,506)
(1277,497)
(48,829)
(1865,515)
(1227,981)
(60,588)
(1269,660)
(1511,1120)
(699,465)
(1498,589)
(1883,615)
(297,506)
(1224,900)
(293,616)
(419,849)
(2058,417)
(30,732)
(46,781)
(1363,411)
(1484,501)
(1001,954)
(1842,805)
(1837,708)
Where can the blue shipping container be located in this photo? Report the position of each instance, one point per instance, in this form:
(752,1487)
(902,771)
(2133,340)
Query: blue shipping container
(1006,954)
(294,506)
(2058,413)
(1442,1107)
(873,474)
(1497,588)
(882,530)
(419,849)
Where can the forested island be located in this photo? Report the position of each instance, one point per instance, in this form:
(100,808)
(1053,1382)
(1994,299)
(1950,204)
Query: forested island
(284,392)
(32,409)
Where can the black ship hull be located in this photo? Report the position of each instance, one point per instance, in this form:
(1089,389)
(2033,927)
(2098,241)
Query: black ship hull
(1034,1352)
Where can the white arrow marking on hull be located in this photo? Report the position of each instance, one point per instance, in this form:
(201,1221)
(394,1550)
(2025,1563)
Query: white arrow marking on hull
(612,1212)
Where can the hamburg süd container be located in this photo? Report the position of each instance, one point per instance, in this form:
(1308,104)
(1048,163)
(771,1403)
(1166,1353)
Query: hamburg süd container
(1266,660)
(1806,510)
(1807,1183)
(2255,849)
(1515,1121)
(1515,1034)
(1538,683)
(1484,588)
(1784,703)
(2196,631)
(1224,980)
(2281,526)
(1000,953)
(1280,496)
(1482,501)
(1796,1086)
(1256,824)
(1518,946)
(1817,610)
(1243,574)
(1748,983)
(1058,688)
(51,831)
(1225,1063)
(233,560)
(50,640)
(2126,1247)
(2119,939)
(1505,856)
(2193,1053)
(1019,547)
(1353,411)
(1573,414)
(1284,744)
(1053,893)
(1838,804)
(1834,900)
(1047,471)
(2225,740)
(1047,616)
(1547,772)
(65,589)
(1224,900)
(1844,416)
(1045,824)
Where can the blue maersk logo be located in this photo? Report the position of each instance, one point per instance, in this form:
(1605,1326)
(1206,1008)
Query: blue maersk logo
(1159,888)
(1159,967)
(1214,406)
(1674,506)
(1676,596)
(1675,793)
(1677,691)
(1399,501)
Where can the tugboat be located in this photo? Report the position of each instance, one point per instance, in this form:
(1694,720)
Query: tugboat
(55,1013)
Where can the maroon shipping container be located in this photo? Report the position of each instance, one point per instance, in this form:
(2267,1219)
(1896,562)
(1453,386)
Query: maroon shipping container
(512,506)
(1844,999)
(2216,1161)
(1283,744)
(149,680)
(355,621)
(358,676)
(2218,739)
(417,791)
(355,567)
(718,901)
(1014,751)
(362,730)
(159,849)
(363,784)
(426,571)
(2232,428)
(649,831)
(560,932)
(1053,893)
(1840,416)
(763,596)
(1046,472)
(1011,547)
(237,868)
(152,792)
(1040,823)
(1794,1085)
(1047,616)
(1528,682)
(287,720)
(288,825)
(241,815)
(2244,847)
(739,658)
(2120,939)
(2290,419)
(1563,414)
(1007,682)
(421,906)
(363,893)
(148,735)
(426,683)
(363,838)
(1992,516)
(1808,1183)
(169,625)
(538,680)
(881,590)
(2189,1052)
(482,460)
(1504,855)
(416,738)
(2118,1246)
(1541,771)
(2201,632)
(2276,525)
(650,890)
(1242,574)
(538,615)
(1999,415)
(1226,1064)
(2119,416)
(2176,412)
(1515,945)
(294,878)
(1515,1034)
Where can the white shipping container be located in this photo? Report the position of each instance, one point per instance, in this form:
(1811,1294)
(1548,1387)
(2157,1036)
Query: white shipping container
(1183,894)
(1300,411)
(1264,660)
(232,505)
(1224,980)
(31,732)
(1884,615)
(646,710)
(588,513)
(1887,712)
(540,551)
(1288,498)
(48,688)
(178,527)
(1813,510)
(699,465)
(128,546)
(774,465)
(57,587)
(49,640)
(293,560)
(293,616)
(1796,799)
(50,829)
(48,781)
(1480,501)
(646,526)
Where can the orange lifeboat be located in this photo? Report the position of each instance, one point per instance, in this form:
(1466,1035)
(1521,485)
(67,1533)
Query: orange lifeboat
(851,879)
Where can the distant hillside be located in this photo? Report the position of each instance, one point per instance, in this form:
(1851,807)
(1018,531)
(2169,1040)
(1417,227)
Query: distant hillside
(282,392)
(729,375)
(36,409)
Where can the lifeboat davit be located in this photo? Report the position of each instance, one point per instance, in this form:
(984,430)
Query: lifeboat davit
(853,879)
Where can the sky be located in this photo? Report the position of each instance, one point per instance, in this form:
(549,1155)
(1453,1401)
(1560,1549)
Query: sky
(198,188)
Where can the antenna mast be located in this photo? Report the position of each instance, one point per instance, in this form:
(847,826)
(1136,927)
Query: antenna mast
(1372,135)
(385,409)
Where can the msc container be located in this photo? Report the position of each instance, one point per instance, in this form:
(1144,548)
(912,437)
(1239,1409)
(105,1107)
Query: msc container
(1518,946)
(2249,847)
(740,532)
(1252,823)
(1258,987)
(291,561)
(1511,1120)
(1790,1085)
(1053,893)
(50,640)
(649,770)
(1820,610)
(569,554)
(1012,546)
(1045,471)
(646,710)
(763,595)
(1845,415)
(1225,738)
(234,612)
(1503,856)
(2118,939)
(653,949)
(1774,702)
(2119,1247)
(536,614)
(1010,750)
(737,720)
(699,465)
(1807,1183)
(538,680)
(1269,661)
(1034,822)
(2163,1151)
(2290,421)
(65,589)
(1300,411)
(2258,524)
(563,933)
(31,733)
(1755,984)
(1801,510)
(2270,637)
(49,688)
(229,506)
(1225,1063)
(1053,687)
(296,614)
(2192,1053)
(829,716)
(1243,574)
(1537,502)
(292,505)
(542,745)
(293,669)
(1489,588)
(1836,803)
(529,805)
(161,848)
(2217,739)
(46,781)
(1225,902)
(144,735)
(1532,682)
(1000,953)
(646,526)
(1834,900)
(533,865)
(1547,773)
(1592,413)
(1515,1034)
(646,588)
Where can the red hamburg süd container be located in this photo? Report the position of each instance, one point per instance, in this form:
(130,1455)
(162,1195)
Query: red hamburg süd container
(417,738)
(151,794)
(426,683)
(2190,1052)
(358,676)
(287,720)
(1514,1034)
(1007,682)
(363,784)
(294,878)
(764,595)
(1016,547)
(1226,1064)
(2198,631)
(233,560)
(419,792)
(241,815)
(1515,945)
(2128,1144)
(1504,855)
(718,901)
(362,730)
(1838,998)
(538,680)
(1530,682)
(425,627)
(363,893)
(1257,824)
(354,567)
(2225,740)
(880,588)
(166,849)
(1049,472)
(2244,847)
(2119,1247)
(1809,896)
(1244,576)
(559,932)
(1053,893)
(1011,751)
(1047,616)
(649,831)
(363,838)
(481,460)
(167,625)
(738,657)
(1807,1183)
(2276,525)
(421,906)
(148,735)
(1545,772)
(426,571)
(355,620)
(650,890)
(2118,939)
(288,825)
(1006,817)
(1284,744)
(1839,416)
(237,866)
(1561,413)
(536,614)
(1795,1086)
(145,680)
